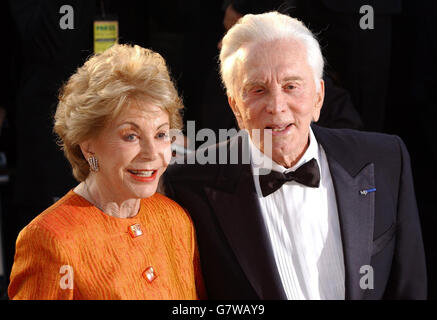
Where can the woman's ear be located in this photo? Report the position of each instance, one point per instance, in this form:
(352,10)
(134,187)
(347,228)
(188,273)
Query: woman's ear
(87,148)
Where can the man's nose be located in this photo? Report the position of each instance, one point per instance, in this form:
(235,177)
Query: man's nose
(277,102)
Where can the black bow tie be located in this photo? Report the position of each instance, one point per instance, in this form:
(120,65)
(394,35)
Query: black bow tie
(307,174)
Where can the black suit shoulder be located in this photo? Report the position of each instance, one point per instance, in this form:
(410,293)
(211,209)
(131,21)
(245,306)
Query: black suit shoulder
(352,137)
(355,149)
(194,169)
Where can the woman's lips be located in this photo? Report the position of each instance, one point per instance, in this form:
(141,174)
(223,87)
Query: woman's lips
(143,175)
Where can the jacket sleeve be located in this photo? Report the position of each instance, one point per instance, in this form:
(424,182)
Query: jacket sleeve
(41,270)
(408,278)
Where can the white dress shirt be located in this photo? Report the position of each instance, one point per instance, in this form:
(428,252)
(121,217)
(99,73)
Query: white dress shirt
(304,230)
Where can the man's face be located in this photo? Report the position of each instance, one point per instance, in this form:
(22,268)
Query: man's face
(275,92)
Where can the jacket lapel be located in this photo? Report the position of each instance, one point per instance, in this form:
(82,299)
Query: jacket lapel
(356,215)
(355,208)
(236,206)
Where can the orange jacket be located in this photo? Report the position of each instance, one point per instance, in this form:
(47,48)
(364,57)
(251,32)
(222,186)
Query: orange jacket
(75,251)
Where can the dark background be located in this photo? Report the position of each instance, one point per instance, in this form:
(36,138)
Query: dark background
(385,75)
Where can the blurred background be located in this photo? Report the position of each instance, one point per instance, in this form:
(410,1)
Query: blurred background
(377,79)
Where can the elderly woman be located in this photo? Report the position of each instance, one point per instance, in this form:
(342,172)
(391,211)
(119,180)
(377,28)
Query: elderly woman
(113,236)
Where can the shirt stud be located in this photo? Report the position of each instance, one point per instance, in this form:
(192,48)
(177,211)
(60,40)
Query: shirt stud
(149,274)
(135,230)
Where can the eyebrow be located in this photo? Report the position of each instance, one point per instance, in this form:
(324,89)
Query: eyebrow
(130,123)
(254,83)
(138,127)
(163,124)
(292,78)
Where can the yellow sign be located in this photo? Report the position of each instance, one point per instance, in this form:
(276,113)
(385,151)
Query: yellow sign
(105,35)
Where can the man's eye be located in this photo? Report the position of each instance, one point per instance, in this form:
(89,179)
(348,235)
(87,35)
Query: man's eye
(290,86)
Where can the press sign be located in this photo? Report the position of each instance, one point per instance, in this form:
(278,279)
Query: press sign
(105,34)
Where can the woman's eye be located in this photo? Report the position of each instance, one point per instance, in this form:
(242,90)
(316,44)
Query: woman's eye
(130,137)
(162,135)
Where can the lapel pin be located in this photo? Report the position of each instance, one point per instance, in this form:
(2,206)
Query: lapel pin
(365,192)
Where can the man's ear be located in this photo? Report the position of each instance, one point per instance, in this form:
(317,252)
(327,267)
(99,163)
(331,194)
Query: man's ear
(237,114)
(320,97)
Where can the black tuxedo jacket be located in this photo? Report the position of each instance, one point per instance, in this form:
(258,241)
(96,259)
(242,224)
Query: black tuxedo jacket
(380,229)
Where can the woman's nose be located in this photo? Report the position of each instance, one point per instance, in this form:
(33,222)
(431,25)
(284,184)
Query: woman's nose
(149,150)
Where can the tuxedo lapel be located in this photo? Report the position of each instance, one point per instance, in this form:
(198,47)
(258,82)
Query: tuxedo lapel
(356,215)
(356,209)
(237,209)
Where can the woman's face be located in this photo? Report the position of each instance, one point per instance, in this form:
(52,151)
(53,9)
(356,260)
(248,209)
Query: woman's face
(133,151)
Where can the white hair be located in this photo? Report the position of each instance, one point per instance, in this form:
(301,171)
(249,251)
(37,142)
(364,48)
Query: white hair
(265,27)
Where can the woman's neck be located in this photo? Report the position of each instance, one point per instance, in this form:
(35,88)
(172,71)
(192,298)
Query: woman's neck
(106,202)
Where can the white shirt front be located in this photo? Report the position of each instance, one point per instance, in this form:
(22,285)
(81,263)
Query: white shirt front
(304,230)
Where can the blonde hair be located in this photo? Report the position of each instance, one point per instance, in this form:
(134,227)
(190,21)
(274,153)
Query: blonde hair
(266,27)
(103,87)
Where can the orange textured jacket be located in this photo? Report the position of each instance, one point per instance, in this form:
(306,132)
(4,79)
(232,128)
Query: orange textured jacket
(75,251)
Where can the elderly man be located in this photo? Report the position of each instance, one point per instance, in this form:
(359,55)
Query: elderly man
(317,213)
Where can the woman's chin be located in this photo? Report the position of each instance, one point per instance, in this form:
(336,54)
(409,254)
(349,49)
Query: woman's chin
(145,192)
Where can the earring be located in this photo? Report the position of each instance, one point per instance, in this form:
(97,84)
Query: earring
(94,164)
